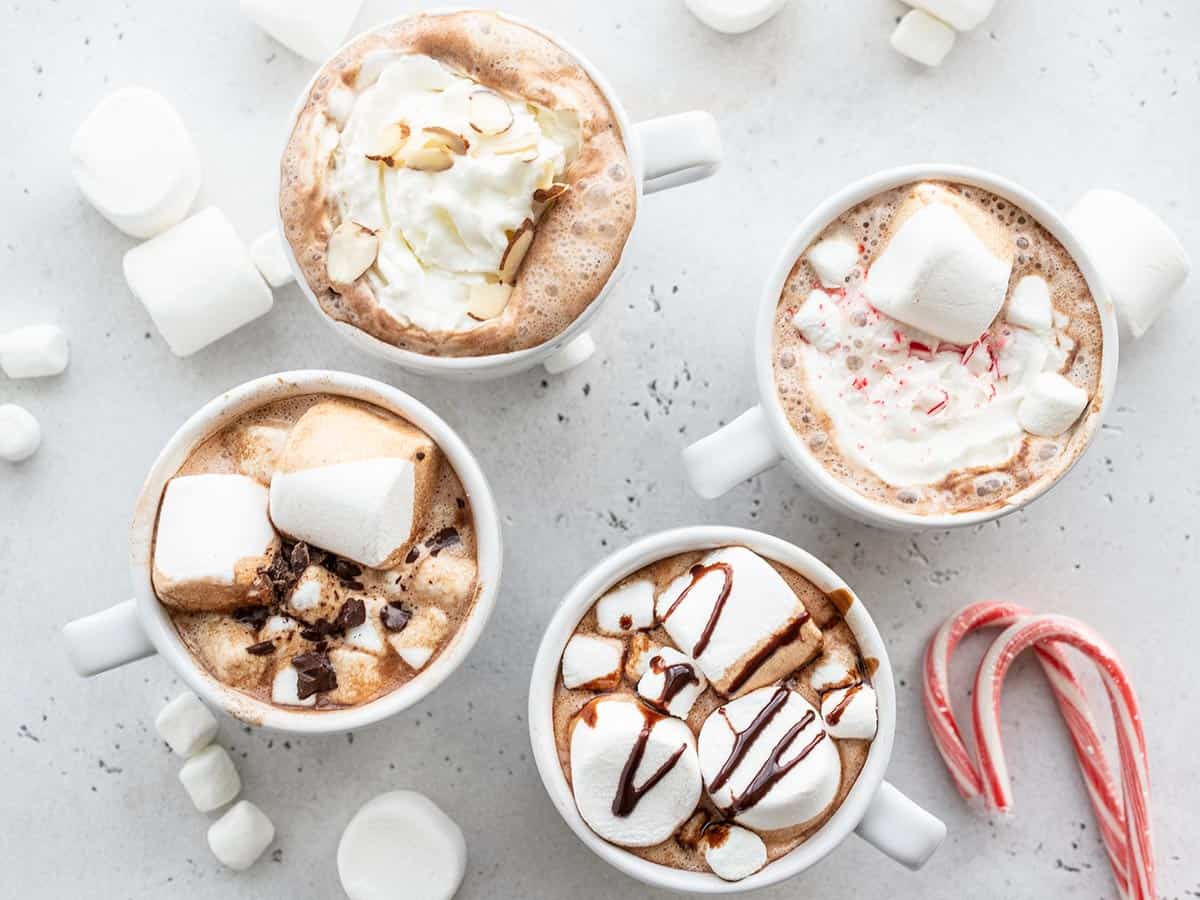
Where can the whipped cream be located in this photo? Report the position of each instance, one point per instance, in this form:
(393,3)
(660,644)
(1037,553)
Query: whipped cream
(440,232)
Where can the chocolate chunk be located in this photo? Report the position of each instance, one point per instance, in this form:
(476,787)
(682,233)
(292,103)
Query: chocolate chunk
(413,555)
(314,674)
(299,556)
(318,630)
(254,616)
(344,568)
(261,591)
(353,584)
(462,504)
(447,537)
(352,614)
(262,648)
(395,617)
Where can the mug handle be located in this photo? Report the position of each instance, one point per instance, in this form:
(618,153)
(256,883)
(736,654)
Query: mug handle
(106,640)
(678,150)
(730,455)
(901,829)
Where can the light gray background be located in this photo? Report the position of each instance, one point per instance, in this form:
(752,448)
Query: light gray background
(1059,96)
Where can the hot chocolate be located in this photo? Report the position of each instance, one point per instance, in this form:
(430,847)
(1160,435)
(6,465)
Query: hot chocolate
(456,185)
(316,553)
(713,712)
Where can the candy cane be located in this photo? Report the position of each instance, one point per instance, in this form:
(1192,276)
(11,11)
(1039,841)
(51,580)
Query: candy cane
(1131,740)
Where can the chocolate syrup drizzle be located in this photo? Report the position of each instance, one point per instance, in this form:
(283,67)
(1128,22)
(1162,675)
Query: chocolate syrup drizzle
(698,572)
(835,714)
(675,678)
(627,797)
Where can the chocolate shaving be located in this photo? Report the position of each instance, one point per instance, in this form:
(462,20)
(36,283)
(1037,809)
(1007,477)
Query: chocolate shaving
(395,617)
(254,616)
(352,614)
(262,648)
(413,555)
(314,674)
(447,537)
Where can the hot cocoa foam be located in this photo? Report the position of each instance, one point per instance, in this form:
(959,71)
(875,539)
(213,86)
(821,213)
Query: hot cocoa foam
(579,237)
(1007,461)
(347,616)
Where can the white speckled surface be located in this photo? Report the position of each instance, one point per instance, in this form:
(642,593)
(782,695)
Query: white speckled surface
(1060,96)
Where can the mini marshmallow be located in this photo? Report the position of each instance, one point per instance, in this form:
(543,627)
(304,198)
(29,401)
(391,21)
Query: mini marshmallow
(923,38)
(210,778)
(833,259)
(277,627)
(760,608)
(628,608)
(314,29)
(359,676)
(733,852)
(369,636)
(804,792)
(239,837)
(285,688)
(937,272)
(1030,306)
(271,260)
(734,16)
(604,737)
(257,449)
(220,641)
(213,536)
(819,320)
(851,713)
(34,352)
(197,281)
(317,594)
(421,637)
(401,835)
(186,724)
(637,660)
(592,663)
(1140,259)
(685,677)
(962,15)
(135,162)
(20,433)
(1051,406)
(445,579)
(834,668)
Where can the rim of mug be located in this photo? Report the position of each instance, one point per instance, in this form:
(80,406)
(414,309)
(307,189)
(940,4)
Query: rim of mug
(492,363)
(219,412)
(797,453)
(600,578)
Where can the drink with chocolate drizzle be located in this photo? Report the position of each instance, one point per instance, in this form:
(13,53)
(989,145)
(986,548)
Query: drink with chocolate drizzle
(713,711)
(316,553)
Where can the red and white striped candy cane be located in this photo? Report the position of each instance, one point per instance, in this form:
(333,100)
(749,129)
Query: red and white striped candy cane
(1131,740)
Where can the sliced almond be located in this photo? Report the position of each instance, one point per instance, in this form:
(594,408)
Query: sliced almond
(523,146)
(486,301)
(351,251)
(429,159)
(444,137)
(489,113)
(385,148)
(514,253)
(546,196)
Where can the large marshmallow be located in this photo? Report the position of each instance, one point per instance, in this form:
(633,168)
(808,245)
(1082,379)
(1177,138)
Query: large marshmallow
(734,16)
(210,778)
(1030,306)
(20,433)
(135,162)
(1140,259)
(670,670)
(239,837)
(421,637)
(604,737)
(354,482)
(592,663)
(923,38)
(944,268)
(34,352)
(760,612)
(197,281)
(833,259)
(314,29)
(401,844)
(213,536)
(627,608)
(851,713)
(271,260)
(962,15)
(186,724)
(804,792)
(733,852)
(819,320)
(1051,405)
(256,448)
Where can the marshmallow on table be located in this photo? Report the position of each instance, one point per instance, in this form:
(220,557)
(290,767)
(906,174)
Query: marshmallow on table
(734,16)
(354,482)
(592,663)
(34,352)
(944,267)
(803,793)
(401,844)
(239,837)
(1051,405)
(851,713)
(1030,306)
(833,259)
(421,636)
(760,610)
(186,724)
(923,38)
(819,320)
(669,671)
(605,735)
(627,608)
(135,162)
(20,433)
(314,29)
(213,536)
(197,281)
(1140,260)
(271,260)
(733,852)
(962,15)
(210,778)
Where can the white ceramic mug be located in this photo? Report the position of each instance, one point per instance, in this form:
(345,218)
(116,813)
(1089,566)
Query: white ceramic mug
(761,437)
(874,810)
(140,627)
(665,152)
